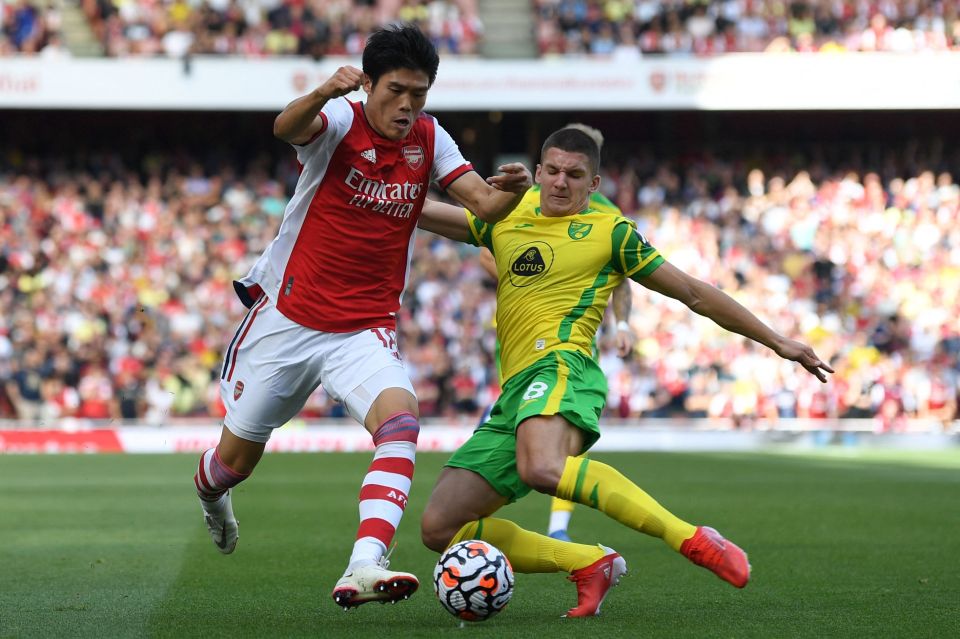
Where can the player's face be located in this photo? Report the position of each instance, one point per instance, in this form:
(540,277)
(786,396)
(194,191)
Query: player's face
(566,182)
(395,101)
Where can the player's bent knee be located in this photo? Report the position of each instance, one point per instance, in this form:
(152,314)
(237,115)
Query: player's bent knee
(541,477)
(435,532)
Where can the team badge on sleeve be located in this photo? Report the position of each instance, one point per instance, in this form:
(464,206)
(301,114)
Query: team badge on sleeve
(413,155)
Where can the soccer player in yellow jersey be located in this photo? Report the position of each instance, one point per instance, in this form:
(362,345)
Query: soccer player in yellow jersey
(558,263)
(561,510)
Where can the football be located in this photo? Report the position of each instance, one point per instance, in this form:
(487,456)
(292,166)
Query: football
(473,580)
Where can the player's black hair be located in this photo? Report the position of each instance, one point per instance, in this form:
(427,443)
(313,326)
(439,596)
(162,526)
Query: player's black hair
(399,46)
(574,141)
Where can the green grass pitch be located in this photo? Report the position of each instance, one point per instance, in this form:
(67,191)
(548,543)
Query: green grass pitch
(850,545)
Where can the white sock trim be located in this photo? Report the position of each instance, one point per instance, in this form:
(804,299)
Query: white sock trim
(559,520)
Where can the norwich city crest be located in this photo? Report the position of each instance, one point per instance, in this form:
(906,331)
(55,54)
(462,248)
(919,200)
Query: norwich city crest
(578,230)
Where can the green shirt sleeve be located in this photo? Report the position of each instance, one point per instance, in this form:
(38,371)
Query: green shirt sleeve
(632,253)
(481,233)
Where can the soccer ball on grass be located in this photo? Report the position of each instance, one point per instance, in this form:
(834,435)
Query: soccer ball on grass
(473,580)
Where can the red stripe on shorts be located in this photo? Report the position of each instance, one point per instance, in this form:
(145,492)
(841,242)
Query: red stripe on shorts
(236,348)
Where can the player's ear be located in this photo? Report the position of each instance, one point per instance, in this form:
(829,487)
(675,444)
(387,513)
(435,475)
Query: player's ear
(536,175)
(595,184)
(367,84)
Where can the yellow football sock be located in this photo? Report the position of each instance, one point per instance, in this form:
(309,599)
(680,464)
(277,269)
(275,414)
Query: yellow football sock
(557,504)
(529,551)
(600,486)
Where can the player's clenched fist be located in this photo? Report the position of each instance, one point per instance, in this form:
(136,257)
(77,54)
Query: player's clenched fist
(515,178)
(346,80)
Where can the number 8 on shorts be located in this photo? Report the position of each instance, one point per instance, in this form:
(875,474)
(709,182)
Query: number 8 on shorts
(535,390)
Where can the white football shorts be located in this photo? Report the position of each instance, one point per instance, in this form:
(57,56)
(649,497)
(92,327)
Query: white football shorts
(273,364)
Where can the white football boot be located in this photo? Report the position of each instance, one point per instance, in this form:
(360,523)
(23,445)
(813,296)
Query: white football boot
(373,582)
(223,526)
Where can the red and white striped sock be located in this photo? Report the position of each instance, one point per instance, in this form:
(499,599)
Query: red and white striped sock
(383,495)
(213,477)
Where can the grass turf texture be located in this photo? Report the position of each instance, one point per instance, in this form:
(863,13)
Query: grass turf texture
(111,546)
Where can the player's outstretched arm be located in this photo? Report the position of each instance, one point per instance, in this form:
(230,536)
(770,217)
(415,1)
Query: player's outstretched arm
(709,301)
(492,199)
(622,303)
(444,219)
(300,120)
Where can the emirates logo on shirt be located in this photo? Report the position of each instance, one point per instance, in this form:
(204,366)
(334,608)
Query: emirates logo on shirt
(414,156)
(369,155)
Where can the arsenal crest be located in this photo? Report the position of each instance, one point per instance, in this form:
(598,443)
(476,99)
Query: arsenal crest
(237,390)
(414,156)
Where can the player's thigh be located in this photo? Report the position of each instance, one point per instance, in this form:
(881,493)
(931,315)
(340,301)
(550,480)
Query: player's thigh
(560,401)
(365,372)
(270,369)
(459,497)
(562,391)
(491,453)
(543,445)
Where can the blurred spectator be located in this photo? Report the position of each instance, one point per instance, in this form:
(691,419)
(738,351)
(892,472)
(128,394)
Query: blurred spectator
(28,26)
(24,386)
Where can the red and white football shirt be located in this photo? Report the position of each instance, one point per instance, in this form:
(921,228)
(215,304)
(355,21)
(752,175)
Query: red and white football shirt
(339,262)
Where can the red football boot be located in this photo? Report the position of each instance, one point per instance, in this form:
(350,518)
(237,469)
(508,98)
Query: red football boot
(725,559)
(595,581)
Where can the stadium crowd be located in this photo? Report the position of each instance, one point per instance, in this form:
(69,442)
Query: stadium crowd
(117,285)
(707,27)
(562,27)
(254,28)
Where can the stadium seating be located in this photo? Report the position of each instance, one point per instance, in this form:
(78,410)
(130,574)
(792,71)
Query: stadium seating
(315,28)
(707,27)
(603,28)
(117,286)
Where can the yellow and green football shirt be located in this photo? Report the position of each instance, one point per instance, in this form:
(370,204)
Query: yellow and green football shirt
(598,202)
(556,275)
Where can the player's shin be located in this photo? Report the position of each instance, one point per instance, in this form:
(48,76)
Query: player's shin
(383,495)
(529,551)
(595,484)
(214,478)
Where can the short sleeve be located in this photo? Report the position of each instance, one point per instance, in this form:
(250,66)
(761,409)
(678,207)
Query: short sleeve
(448,163)
(481,233)
(632,254)
(337,116)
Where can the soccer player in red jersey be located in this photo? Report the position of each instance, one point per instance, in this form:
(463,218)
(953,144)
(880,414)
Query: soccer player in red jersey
(323,296)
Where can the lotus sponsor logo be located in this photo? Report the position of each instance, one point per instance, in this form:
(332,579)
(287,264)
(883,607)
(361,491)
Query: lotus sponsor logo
(530,262)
